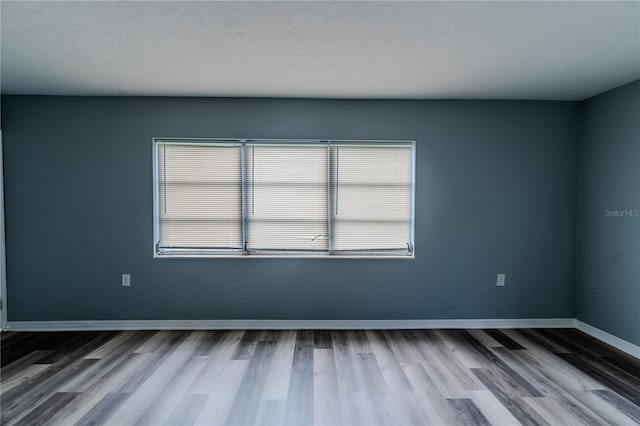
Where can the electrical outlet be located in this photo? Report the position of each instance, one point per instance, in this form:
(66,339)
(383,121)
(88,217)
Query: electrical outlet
(500,280)
(126,280)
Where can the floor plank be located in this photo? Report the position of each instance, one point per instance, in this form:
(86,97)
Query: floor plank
(467,412)
(299,409)
(45,410)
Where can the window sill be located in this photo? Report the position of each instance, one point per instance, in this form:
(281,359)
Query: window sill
(277,256)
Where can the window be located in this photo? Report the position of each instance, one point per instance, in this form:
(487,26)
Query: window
(283,197)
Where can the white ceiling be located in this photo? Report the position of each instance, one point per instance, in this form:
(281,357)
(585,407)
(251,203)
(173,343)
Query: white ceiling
(470,50)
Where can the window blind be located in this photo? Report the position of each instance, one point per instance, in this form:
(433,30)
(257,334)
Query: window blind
(199,196)
(372,198)
(215,196)
(287,187)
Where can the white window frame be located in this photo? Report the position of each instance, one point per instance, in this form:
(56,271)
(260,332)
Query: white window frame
(216,253)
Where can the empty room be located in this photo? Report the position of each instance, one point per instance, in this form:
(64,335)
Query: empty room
(320,213)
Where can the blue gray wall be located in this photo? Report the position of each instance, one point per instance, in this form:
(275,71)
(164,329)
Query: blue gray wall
(608,243)
(496,192)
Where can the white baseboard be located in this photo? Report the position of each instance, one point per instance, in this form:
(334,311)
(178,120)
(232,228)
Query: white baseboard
(605,337)
(609,339)
(287,324)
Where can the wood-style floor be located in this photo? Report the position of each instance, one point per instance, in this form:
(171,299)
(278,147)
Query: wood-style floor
(390,377)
